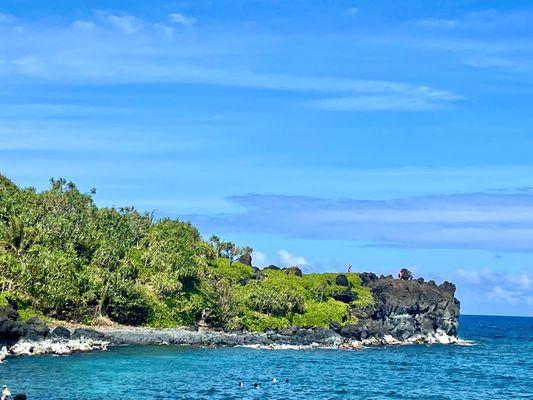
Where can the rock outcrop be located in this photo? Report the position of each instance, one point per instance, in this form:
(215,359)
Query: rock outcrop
(33,337)
(406,310)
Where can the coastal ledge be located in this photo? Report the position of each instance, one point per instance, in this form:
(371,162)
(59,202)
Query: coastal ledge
(404,312)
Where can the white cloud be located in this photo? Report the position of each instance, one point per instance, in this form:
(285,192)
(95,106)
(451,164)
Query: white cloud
(20,29)
(353,11)
(497,286)
(288,259)
(259,258)
(182,19)
(503,295)
(83,24)
(126,23)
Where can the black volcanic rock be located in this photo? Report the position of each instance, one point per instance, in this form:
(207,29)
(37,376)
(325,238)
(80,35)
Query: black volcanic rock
(404,308)
(346,296)
(60,332)
(246,259)
(34,329)
(342,280)
(87,333)
(9,326)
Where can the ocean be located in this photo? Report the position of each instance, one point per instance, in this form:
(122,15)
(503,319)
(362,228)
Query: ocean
(498,365)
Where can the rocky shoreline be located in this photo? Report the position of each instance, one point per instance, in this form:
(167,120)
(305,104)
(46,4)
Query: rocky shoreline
(404,312)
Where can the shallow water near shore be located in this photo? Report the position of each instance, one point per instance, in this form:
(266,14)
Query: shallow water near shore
(498,366)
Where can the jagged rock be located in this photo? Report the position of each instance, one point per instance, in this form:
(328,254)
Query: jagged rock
(60,332)
(367,277)
(246,259)
(406,309)
(342,280)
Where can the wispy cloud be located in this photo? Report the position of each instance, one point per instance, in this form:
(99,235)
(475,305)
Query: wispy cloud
(125,23)
(483,39)
(83,24)
(181,19)
(394,102)
(122,48)
(498,286)
(6,18)
(476,221)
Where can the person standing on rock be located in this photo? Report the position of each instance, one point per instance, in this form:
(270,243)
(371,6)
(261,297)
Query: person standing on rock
(5,393)
(349,268)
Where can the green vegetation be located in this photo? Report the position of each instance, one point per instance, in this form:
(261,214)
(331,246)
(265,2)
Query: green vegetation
(61,257)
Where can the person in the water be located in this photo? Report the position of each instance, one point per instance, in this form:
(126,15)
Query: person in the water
(256,385)
(286,380)
(5,392)
(274,380)
(241,384)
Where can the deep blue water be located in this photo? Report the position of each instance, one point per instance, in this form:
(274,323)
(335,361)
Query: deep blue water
(498,366)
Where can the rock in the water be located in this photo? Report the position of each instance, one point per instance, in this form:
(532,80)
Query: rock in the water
(246,259)
(20,397)
(342,280)
(408,311)
(60,332)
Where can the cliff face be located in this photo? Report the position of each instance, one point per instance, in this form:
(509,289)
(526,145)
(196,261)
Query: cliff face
(406,310)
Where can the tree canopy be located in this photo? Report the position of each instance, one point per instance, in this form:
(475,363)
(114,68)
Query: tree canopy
(62,257)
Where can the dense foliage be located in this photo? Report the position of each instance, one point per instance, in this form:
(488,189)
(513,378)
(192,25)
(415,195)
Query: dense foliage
(62,257)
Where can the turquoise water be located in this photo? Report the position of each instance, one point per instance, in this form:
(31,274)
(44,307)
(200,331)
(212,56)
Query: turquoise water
(498,366)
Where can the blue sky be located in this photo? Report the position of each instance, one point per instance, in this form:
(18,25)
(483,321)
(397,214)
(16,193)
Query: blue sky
(321,133)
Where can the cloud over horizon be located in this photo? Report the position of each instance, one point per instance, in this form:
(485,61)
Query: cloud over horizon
(485,221)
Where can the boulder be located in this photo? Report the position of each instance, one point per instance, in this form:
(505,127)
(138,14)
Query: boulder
(342,280)
(87,333)
(60,332)
(346,296)
(293,271)
(34,329)
(20,397)
(246,259)
(9,325)
(367,278)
